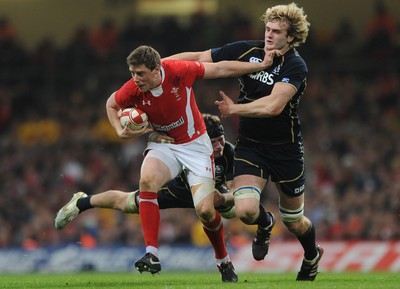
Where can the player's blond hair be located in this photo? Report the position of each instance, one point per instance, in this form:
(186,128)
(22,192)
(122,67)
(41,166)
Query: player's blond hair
(295,18)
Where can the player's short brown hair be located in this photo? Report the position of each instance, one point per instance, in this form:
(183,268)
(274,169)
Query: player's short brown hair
(146,55)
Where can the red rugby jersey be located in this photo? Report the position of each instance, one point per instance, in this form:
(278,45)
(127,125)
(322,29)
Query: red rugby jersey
(171,107)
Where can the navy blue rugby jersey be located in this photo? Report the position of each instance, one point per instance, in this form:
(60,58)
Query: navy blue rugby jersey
(223,173)
(289,68)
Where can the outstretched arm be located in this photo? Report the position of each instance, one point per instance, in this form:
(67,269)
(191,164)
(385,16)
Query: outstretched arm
(223,69)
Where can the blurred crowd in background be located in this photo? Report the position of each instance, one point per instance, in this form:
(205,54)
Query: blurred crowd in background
(56,139)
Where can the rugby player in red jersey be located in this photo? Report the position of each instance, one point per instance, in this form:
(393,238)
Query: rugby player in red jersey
(175,194)
(164,90)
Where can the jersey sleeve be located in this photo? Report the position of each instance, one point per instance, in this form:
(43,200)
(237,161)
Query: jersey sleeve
(200,69)
(232,51)
(293,73)
(195,70)
(189,71)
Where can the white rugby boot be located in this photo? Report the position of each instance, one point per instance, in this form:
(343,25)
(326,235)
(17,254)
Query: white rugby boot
(69,212)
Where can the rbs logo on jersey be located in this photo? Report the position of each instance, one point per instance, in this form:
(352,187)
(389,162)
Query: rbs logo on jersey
(264,77)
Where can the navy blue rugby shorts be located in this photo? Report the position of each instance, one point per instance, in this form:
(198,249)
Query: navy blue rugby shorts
(283,163)
(178,198)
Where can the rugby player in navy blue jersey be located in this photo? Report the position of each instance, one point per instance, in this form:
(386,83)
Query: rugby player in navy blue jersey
(269,144)
(175,194)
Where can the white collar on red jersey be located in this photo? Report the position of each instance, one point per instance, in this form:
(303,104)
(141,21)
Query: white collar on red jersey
(157,91)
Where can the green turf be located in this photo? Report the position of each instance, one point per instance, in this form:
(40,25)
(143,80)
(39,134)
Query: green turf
(169,280)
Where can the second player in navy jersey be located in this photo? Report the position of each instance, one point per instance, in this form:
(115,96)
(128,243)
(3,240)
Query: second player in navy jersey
(269,144)
(290,68)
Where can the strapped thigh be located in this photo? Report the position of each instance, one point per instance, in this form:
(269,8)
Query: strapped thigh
(247,192)
(206,187)
(291,216)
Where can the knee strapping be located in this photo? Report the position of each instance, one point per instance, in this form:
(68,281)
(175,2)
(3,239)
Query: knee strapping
(291,216)
(131,203)
(247,192)
(204,190)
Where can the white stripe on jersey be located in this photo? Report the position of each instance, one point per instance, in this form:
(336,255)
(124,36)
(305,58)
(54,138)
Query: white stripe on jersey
(189,114)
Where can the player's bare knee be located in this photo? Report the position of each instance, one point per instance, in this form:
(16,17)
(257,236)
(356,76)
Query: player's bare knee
(247,214)
(145,183)
(295,227)
(205,212)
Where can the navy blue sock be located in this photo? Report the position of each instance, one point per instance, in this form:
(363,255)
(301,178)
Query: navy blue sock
(307,240)
(264,219)
(84,204)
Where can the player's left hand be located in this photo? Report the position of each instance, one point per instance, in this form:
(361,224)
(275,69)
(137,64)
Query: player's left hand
(127,132)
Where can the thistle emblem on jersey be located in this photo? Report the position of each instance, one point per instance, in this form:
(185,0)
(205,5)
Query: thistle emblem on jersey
(175,90)
(276,70)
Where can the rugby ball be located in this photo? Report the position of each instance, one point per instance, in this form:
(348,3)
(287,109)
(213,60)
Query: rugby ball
(133,117)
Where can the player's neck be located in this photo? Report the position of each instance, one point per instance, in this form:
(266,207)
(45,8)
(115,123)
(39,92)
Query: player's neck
(283,50)
(157,80)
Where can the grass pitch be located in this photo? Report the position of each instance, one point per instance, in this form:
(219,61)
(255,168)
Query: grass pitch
(190,280)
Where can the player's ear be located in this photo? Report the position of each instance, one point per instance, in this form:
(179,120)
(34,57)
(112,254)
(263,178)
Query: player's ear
(290,38)
(157,68)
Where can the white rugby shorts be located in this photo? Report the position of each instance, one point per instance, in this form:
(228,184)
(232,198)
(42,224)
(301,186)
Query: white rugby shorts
(195,158)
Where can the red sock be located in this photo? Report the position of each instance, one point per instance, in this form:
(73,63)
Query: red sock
(150,217)
(215,233)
